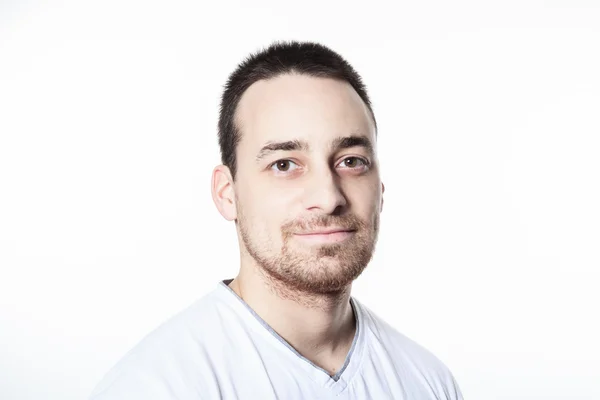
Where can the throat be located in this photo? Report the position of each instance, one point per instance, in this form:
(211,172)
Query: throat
(330,354)
(322,335)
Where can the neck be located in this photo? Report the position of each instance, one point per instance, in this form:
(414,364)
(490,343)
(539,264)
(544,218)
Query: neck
(320,327)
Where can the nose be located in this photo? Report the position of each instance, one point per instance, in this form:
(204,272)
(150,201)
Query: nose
(323,193)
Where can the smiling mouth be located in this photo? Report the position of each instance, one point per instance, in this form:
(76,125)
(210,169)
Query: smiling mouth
(333,236)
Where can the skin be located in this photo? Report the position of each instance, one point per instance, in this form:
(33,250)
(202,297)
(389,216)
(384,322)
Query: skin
(300,283)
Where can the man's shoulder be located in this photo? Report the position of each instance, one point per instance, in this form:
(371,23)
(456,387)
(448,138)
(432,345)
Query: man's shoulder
(394,340)
(409,355)
(167,356)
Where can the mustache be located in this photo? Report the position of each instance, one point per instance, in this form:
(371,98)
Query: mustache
(350,222)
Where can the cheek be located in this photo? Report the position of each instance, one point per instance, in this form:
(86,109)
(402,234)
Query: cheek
(266,212)
(366,198)
(272,202)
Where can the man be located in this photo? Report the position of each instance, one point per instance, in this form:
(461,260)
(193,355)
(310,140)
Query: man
(300,178)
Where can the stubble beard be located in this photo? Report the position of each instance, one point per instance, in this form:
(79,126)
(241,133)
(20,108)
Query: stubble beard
(324,270)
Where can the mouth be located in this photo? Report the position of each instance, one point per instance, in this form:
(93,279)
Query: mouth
(326,235)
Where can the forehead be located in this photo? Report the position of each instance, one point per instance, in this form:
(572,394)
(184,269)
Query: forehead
(300,107)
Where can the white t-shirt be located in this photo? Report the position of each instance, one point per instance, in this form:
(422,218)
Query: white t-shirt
(219,348)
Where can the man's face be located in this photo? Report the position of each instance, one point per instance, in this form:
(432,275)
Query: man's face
(306,164)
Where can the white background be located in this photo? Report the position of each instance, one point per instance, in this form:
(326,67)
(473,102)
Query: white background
(489,117)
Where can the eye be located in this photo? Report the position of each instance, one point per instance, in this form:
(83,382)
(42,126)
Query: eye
(283,165)
(354,162)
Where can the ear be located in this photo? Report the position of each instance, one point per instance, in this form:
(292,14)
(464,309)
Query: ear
(223,192)
(382,191)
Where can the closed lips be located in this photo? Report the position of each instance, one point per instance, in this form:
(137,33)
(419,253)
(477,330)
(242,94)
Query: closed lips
(326,232)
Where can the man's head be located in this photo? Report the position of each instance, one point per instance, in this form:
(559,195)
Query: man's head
(297,137)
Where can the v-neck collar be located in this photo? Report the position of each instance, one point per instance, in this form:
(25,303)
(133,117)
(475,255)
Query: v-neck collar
(336,383)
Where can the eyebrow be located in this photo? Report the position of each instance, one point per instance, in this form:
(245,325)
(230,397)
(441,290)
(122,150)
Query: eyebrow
(289,145)
(339,143)
(347,142)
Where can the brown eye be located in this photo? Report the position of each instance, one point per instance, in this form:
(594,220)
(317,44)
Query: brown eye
(351,162)
(354,162)
(283,166)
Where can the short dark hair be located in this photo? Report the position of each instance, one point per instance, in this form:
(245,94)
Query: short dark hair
(306,58)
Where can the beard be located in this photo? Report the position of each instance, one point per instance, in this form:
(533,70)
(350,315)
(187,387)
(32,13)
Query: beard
(324,269)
